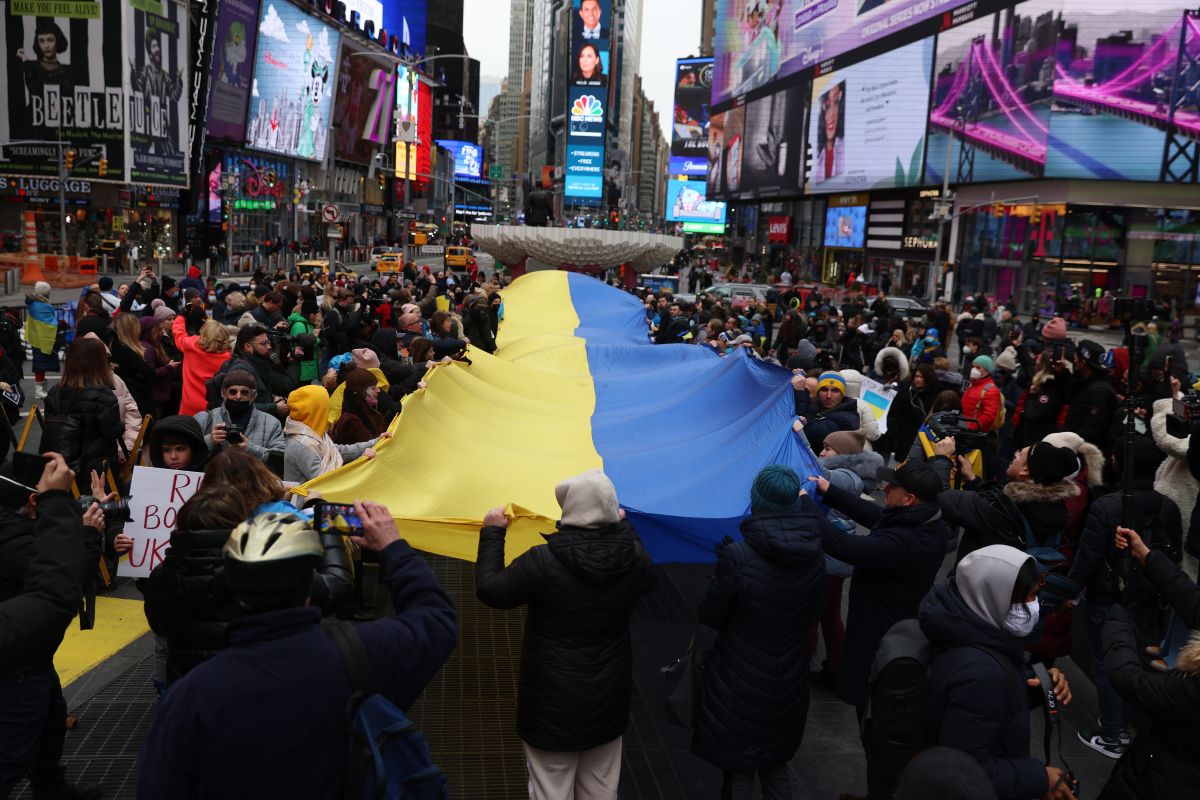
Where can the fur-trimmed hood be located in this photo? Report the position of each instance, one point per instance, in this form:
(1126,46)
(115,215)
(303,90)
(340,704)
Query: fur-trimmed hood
(1089,454)
(896,353)
(1189,656)
(1030,492)
(864,465)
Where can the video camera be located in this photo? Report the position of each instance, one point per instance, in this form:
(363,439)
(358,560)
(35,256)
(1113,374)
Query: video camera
(1185,417)
(113,510)
(954,423)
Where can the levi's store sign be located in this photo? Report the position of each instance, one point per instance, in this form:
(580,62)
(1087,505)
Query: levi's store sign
(779,229)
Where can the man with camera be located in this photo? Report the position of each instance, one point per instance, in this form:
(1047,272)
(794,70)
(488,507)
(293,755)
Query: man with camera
(237,423)
(252,353)
(46,549)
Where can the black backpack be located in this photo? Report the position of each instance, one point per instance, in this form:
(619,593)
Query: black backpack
(895,727)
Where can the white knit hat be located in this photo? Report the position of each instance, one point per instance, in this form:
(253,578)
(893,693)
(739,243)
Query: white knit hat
(42,289)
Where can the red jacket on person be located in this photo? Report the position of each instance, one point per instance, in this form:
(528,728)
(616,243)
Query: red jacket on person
(982,401)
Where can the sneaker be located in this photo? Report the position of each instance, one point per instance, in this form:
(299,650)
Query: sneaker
(40,392)
(1124,738)
(1105,747)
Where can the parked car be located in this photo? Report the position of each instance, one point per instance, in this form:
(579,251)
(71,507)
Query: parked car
(740,295)
(389,263)
(907,307)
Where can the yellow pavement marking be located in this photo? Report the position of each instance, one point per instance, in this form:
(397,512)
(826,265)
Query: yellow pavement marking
(118,622)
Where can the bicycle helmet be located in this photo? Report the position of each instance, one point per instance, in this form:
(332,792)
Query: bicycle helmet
(269,561)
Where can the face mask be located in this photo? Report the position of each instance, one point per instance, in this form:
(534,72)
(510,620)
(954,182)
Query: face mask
(212,298)
(1022,618)
(976,373)
(237,408)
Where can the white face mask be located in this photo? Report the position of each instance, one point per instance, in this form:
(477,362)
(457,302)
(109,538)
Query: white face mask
(976,373)
(1022,618)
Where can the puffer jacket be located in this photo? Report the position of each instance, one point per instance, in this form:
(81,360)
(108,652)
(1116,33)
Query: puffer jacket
(189,603)
(906,414)
(842,417)
(84,426)
(576,658)
(1173,479)
(766,591)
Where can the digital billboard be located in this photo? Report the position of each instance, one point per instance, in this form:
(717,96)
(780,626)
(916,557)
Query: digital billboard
(233,60)
(845,226)
(294,74)
(773,155)
(157,104)
(686,202)
(725,153)
(468,158)
(867,124)
(363,105)
(689,129)
(590,69)
(759,41)
(403,19)
(992,89)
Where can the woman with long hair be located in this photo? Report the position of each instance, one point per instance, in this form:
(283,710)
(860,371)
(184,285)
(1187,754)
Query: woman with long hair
(130,363)
(360,419)
(83,417)
(203,355)
(588,66)
(167,377)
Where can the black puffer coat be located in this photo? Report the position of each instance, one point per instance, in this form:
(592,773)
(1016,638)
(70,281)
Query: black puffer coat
(766,591)
(576,659)
(84,426)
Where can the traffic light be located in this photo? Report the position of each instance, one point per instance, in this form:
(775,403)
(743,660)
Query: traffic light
(69,159)
(102,169)
(382,183)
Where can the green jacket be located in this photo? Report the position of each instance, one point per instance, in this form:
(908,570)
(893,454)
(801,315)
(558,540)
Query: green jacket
(299,324)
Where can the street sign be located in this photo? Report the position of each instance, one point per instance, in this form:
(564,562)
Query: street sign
(330,213)
(496,172)
(406,215)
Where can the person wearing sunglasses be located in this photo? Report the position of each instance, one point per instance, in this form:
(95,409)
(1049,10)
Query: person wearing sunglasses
(237,423)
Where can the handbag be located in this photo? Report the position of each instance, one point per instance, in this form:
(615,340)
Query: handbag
(685,679)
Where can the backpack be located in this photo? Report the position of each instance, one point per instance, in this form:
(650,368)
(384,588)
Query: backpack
(388,756)
(1001,413)
(895,727)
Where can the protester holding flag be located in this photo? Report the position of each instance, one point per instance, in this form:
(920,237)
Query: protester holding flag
(41,332)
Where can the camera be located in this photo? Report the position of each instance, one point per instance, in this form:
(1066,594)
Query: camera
(113,510)
(1185,417)
(954,423)
(233,434)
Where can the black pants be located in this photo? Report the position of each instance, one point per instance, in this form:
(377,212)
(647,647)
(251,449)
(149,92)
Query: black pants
(33,723)
(774,779)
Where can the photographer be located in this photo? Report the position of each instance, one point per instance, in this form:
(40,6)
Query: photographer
(44,556)
(236,422)
(1041,410)
(1163,761)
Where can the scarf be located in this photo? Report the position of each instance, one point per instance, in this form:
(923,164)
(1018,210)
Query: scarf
(320,444)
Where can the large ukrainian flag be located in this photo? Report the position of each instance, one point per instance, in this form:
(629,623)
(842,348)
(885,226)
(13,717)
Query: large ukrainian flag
(575,384)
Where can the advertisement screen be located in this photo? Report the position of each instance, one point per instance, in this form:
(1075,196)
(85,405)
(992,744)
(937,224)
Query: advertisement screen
(773,157)
(403,19)
(759,41)
(229,91)
(62,81)
(363,106)
(689,130)
(1116,67)
(590,69)
(686,203)
(157,103)
(294,74)
(468,158)
(992,91)
(584,176)
(725,153)
(867,124)
(845,227)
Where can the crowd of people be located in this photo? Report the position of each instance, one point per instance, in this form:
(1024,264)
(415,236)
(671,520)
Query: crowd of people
(1050,476)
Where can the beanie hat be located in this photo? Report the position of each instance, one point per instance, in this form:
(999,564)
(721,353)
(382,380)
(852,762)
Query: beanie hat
(1092,354)
(193,271)
(309,306)
(845,443)
(1048,464)
(1056,328)
(985,362)
(163,312)
(775,488)
(805,357)
(105,283)
(239,377)
(833,379)
(853,379)
(42,289)
(168,282)
(1007,360)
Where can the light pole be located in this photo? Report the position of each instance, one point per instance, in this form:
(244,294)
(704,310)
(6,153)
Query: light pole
(229,182)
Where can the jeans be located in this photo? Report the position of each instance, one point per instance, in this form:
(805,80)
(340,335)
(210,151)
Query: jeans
(33,724)
(776,785)
(1113,716)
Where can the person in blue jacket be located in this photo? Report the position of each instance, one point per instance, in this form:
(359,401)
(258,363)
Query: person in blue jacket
(833,411)
(266,717)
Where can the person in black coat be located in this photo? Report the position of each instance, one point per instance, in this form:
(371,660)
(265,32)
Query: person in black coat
(976,622)
(1163,761)
(910,408)
(1093,402)
(767,589)
(833,411)
(576,658)
(894,565)
(83,417)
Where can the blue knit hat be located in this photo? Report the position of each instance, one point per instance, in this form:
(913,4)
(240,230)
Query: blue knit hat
(833,379)
(775,488)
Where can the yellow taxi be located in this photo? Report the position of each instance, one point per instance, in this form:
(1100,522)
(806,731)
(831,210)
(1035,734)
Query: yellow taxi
(457,257)
(317,266)
(389,263)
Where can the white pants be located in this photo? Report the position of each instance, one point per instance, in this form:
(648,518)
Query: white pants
(586,775)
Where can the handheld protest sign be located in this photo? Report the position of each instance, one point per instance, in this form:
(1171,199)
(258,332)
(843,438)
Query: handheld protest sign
(155,497)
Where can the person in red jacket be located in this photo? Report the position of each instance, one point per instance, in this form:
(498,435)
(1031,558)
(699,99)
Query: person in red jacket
(203,355)
(983,402)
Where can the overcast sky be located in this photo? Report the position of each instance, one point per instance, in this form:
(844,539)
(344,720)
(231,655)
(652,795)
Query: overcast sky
(670,30)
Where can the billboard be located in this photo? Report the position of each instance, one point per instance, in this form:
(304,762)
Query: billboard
(229,91)
(468,158)
(291,96)
(773,156)
(403,19)
(588,95)
(867,123)
(725,153)
(689,129)
(759,41)
(363,105)
(845,226)
(686,202)
(415,106)
(62,82)
(992,91)
(157,43)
